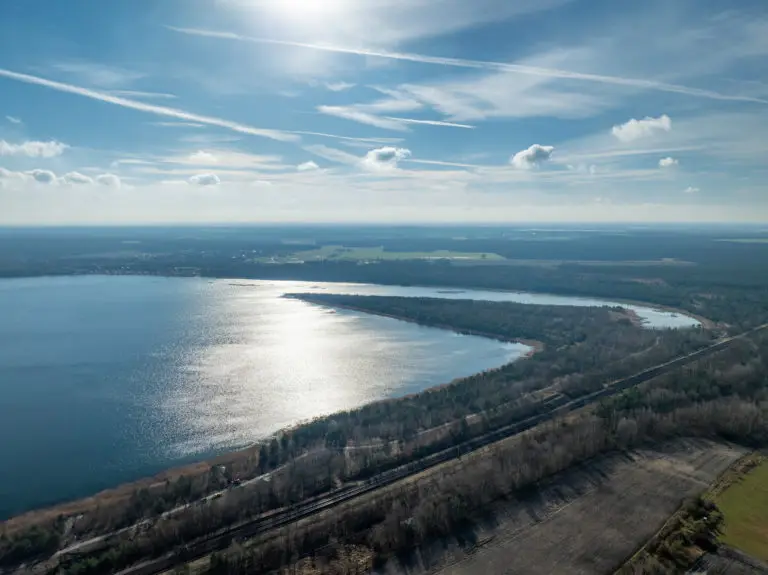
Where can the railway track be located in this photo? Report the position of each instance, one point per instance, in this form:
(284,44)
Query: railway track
(558,407)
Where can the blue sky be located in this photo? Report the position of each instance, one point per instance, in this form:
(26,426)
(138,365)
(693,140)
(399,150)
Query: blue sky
(137,111)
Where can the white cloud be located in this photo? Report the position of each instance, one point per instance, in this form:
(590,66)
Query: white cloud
(279,135)
(732,139)
(378,22)
(177,124)
(98,74)
(76,178)
(692,190)
(33,149)
(132,162)
(221,159)
(668,162)
(399,102)
(307,166)
(483,65)
(43,176)
(531,157)
(636,129)
(370,113)
(338,86)
(350,139)
(583,168)
(431,123)
(357,115)
(203,157)
(9,175)
(140,94)
(13,120)
(332,154)
(444,163)
(110,180)
(501,195)
(149,108)
(385,158)
(474,97)
(205,180)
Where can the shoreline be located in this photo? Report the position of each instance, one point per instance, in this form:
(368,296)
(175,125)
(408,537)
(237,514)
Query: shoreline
(125,490)
(705,322)
(535,345)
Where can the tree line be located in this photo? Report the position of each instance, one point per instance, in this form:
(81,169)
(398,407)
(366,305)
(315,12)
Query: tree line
(438,507)
(584,348)
(308,476)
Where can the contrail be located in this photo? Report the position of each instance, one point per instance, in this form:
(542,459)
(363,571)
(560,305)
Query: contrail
(431,123)
(280,135)
(149,108)
(441,163)
(482,65)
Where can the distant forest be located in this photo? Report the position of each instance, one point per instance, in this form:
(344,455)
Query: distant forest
(690,269)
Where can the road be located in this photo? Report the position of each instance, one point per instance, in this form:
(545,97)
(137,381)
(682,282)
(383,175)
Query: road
(560,406)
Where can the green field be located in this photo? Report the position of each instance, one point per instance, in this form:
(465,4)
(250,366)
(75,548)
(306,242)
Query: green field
(745,507)
(342,253)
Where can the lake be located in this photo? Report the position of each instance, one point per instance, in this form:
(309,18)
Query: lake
(106,379)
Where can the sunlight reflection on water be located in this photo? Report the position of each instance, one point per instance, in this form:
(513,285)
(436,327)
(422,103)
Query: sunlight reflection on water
(270,362)
(115,378)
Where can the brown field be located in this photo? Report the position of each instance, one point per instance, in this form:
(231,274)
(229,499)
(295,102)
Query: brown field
(587,520)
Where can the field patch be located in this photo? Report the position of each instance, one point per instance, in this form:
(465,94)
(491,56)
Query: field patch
(745,506)
(343,253)
(590,519)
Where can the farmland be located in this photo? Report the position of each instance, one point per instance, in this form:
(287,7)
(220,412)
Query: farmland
(360,254)
(745,506)
(590,519)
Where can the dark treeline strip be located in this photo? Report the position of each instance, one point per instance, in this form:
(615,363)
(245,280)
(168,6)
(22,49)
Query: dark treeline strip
(34,252)
(553,325)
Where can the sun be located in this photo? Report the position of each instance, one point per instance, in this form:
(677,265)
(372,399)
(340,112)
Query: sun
(309,13)
(308,8)
(331,21)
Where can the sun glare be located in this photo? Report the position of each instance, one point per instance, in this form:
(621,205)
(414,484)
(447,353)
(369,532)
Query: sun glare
(310,12)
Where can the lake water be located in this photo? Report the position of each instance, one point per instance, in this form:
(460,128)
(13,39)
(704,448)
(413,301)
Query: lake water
(108,379)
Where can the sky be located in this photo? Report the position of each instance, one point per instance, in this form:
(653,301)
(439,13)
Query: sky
(202,111)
